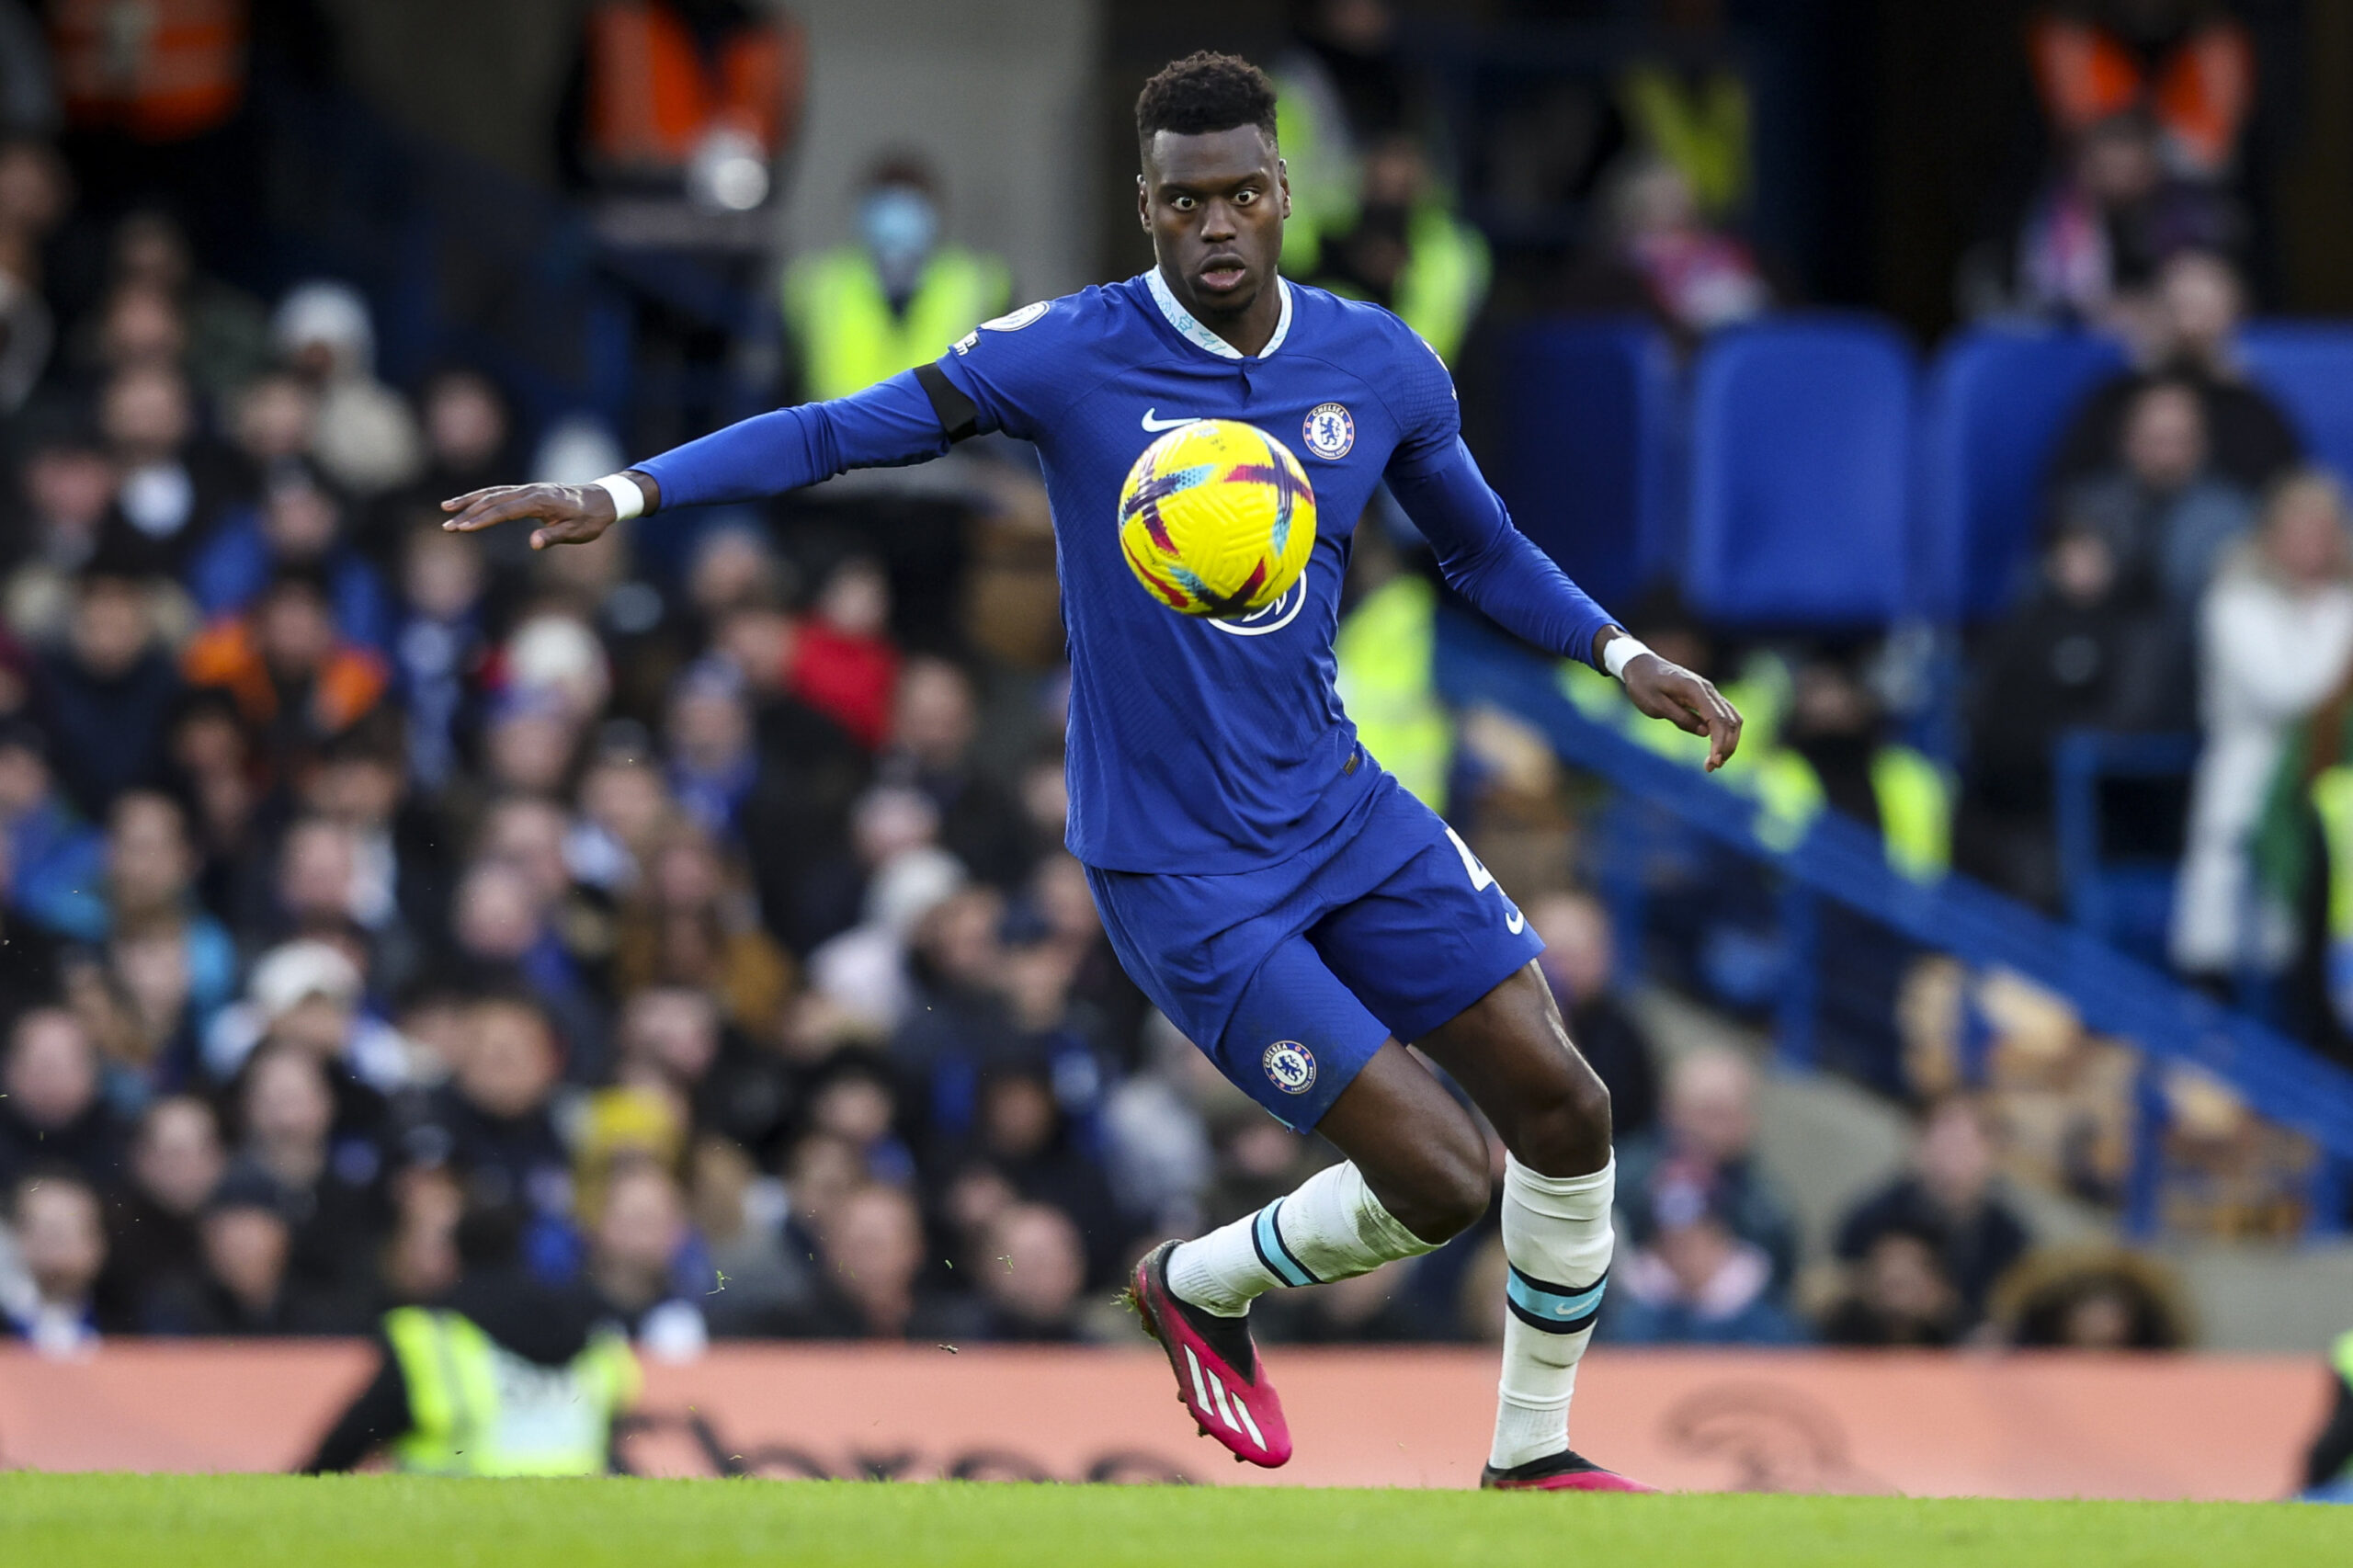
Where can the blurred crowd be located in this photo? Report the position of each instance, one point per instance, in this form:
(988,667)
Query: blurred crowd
(700,895)
(711,910)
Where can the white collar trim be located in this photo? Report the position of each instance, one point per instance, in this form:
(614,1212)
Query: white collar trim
(1199,336)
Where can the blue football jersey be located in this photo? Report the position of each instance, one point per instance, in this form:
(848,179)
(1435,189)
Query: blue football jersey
(1197,745)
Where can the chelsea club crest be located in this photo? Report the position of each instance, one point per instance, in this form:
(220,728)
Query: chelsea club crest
(1290,1066)
(1329,432)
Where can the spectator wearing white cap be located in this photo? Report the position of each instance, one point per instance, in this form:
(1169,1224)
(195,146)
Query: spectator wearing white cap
(309,994)
(366,438)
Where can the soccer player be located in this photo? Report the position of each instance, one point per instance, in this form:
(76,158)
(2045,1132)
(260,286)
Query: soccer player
(1282,899)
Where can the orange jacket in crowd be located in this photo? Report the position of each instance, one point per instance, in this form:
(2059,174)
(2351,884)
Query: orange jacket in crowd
(351,680)
(2197,92)
(161,70)
(653,95)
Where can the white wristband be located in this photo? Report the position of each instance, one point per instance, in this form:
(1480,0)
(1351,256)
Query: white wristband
(629,501)
(1622,651)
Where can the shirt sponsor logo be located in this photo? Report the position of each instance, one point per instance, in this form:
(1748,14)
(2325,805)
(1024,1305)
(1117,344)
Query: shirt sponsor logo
(1329,431)
(1291,1066)
(1274,617)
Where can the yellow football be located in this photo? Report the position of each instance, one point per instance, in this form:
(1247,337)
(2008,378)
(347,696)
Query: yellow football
(1217,518)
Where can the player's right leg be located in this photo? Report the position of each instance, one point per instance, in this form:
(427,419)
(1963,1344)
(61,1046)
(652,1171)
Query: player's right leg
(1304,1046)
(1415,1176)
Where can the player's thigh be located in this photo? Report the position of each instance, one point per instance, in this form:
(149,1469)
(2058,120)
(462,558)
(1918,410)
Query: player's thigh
(1419,1150)
(1296,1038)
(1511,1054)
(1431,938)
(1440,954)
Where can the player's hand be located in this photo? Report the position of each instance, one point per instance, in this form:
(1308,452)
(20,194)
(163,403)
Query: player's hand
(1669,691)
(567,514)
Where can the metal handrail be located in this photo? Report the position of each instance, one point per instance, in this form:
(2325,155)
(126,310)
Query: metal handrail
(1838,859)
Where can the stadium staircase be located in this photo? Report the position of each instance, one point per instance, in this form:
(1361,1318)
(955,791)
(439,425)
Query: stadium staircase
(1836,861)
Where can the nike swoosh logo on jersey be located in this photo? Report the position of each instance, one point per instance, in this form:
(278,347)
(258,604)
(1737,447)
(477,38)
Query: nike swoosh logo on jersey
(1151,423)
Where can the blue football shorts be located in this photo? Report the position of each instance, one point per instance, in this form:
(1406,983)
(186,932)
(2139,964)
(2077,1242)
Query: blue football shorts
(1292,975)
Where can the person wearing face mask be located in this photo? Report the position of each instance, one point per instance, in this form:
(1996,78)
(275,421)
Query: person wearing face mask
(894,300)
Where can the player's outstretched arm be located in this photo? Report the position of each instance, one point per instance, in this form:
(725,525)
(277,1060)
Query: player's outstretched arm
(894,422)
(1665,690)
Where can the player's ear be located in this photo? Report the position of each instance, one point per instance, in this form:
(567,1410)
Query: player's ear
(1282,179)
(1143,205)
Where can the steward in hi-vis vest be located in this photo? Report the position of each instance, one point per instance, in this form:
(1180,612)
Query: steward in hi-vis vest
(505,1376)
(895,299)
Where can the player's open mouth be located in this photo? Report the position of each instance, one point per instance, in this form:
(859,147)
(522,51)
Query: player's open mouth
(1223,272)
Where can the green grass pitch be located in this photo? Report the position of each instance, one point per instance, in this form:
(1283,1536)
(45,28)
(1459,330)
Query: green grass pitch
(118,1521)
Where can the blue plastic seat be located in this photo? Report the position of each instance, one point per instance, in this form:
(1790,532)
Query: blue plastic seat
(1801,432)
(2308,366)
(1588,419)
(1996,404)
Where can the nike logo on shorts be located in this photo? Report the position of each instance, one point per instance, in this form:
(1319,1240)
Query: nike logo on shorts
(1151,423)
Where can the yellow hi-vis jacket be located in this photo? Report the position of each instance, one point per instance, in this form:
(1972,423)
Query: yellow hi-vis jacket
(476,1408)
(849,337)
(1444,280)
(1384,651)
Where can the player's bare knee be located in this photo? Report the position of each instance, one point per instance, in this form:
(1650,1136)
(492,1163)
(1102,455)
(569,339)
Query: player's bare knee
(1454,1186)
(1567,1132)
(1437,1185)
(1444,1210)
(1588,1105)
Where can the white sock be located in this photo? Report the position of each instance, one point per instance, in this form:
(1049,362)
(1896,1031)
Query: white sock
(1331,1228)
(1557,1239)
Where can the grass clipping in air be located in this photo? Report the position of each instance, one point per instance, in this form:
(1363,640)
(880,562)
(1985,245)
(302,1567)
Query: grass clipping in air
(239,1521)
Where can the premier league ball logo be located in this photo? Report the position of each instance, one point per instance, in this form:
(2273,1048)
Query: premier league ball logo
(1329,432)
(1290,1065)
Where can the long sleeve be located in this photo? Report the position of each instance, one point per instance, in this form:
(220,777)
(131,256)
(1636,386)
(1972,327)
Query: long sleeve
(888,424)
(1489,562)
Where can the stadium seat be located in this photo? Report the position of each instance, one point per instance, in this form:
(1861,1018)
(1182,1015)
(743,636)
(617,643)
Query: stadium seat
(2308,366)
(1801,434)
(1996,406)
(1588,417)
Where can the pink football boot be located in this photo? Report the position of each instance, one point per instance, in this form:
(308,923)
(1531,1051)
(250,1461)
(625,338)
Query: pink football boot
(1218,1376)
(1565,1471)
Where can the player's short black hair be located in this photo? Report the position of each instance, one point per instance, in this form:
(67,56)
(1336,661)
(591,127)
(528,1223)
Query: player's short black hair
(1202,93)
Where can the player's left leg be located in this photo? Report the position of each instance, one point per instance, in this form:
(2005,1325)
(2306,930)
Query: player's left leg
(1511,1052)
(1416,1173)
(1439,954)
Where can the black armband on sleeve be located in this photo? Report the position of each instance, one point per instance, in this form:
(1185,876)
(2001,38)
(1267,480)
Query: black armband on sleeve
(959,414)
